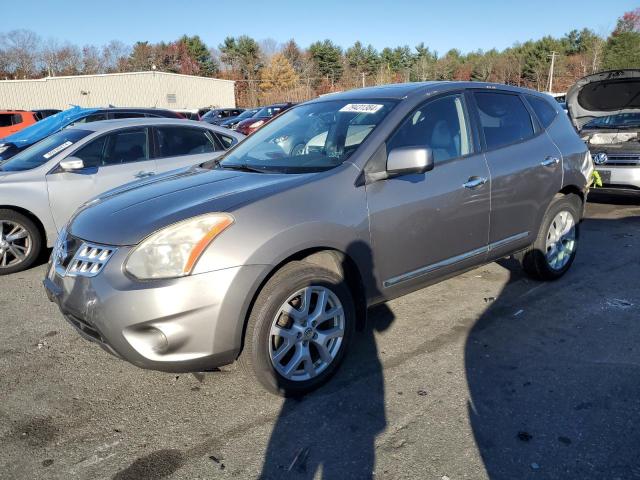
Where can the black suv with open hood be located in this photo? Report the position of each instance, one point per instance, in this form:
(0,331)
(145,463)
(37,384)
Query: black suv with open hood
(605,108)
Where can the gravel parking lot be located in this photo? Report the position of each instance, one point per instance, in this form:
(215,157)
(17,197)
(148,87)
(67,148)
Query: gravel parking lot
(487,375)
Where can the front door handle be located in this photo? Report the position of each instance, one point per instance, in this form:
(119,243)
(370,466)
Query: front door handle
(142,174)
(550,161)
(474,182)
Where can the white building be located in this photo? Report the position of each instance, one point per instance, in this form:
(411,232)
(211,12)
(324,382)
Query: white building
(135,89)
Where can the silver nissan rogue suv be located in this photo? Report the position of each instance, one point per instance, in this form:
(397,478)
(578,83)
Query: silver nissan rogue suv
(272,253)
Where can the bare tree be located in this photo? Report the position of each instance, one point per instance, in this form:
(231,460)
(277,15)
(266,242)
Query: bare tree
(22,49)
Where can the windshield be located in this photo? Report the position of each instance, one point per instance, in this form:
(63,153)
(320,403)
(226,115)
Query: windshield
(43,151)
(312,137)
(268,111)
(620,120)
(246,114)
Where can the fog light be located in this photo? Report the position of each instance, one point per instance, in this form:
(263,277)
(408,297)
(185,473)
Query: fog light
(147,340)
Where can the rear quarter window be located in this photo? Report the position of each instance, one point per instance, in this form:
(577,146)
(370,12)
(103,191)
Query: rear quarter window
(544,111)
(504,119)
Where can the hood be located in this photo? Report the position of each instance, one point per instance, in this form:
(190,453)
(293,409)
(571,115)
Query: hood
(128,214)
(42,129)
(605,93)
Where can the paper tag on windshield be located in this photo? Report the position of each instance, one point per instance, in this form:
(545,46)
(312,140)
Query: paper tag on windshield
(56,150)
(361,108)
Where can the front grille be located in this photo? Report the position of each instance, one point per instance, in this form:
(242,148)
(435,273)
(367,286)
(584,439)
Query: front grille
(89,260)
(74,257)
(622,159)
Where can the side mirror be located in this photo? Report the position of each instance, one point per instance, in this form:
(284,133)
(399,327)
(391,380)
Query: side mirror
(71,164)
(404,160)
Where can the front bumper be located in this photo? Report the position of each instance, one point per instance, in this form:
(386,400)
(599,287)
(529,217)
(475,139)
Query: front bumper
(619,177)
(188,324)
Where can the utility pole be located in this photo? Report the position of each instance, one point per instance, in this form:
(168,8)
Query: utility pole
(553,62)
(363,82)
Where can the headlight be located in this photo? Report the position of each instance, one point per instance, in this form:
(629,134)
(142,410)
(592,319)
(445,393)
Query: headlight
(4,148)
(175,250)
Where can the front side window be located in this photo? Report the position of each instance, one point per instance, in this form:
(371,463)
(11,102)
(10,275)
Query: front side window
(96,117)
(439,125)
(177,141)
(6,120)
(313,137)
(43,151)
(504,119)
(92,154)
(126,146)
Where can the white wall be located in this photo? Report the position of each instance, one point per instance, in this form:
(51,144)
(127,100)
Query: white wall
(139,89)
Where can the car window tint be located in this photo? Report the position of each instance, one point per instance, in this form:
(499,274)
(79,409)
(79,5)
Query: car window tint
(175,141)
(504,119)
(545,112)
(6,120)
(128,115)
(96,117)
(126,146)
(439,125)
(92,153)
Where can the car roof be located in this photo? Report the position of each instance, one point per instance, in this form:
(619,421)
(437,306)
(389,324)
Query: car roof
(400,91)
(107,125)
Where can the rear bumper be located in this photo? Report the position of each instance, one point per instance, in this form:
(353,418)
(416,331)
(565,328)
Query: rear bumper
(188,324)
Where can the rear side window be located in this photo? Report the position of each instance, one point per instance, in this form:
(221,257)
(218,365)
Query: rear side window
(545,112)
(177,141)
(504,119)
(96,117)
(227,142)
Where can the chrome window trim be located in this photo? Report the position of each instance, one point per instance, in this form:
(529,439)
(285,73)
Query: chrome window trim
(452,260)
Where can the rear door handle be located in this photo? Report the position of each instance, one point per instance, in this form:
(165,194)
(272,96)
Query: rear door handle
(474,182)
(144,174)
(550,161)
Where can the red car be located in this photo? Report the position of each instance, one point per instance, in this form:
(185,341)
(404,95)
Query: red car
(250,125)
(12,121)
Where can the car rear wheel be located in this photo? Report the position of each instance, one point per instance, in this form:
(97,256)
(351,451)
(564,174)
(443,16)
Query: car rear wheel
(299,329)
(556,246)
(20,242)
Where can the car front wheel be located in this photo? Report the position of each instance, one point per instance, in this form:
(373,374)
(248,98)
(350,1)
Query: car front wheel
(20,242)
(299,329)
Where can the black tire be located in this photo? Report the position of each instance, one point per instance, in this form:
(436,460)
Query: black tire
(291,278)
(534,259)
(34,239)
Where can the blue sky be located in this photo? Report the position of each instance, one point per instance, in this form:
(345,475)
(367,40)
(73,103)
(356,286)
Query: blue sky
(464,24)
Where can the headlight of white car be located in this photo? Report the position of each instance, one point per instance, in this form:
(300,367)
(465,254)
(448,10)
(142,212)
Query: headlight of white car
(174,251)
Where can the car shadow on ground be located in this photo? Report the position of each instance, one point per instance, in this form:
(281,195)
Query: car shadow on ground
(553,372)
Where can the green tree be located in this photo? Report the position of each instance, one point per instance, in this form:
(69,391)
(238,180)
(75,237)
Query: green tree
(622,51)
(362,59)
(200,54)
(328,59)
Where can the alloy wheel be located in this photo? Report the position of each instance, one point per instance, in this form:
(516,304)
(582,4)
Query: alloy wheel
(15,243)
(306,333)
(561,240)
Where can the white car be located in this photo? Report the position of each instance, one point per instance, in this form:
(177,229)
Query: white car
(42,186)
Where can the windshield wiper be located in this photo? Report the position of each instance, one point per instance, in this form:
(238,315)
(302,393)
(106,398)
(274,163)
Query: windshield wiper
(243,167)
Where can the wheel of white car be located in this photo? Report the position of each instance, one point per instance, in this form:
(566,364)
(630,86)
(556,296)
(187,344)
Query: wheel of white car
(556,246)
(20,242)
(299,329)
